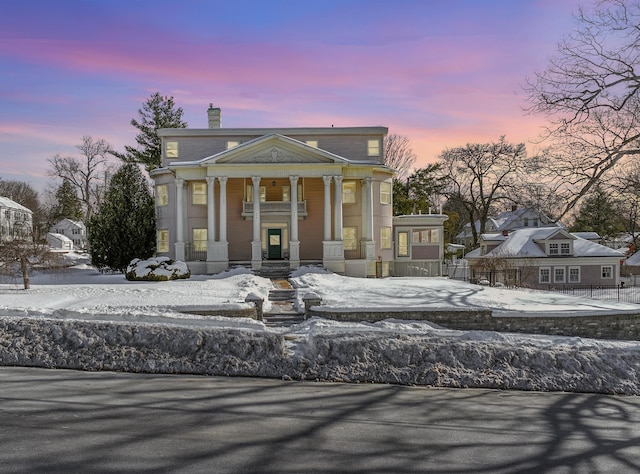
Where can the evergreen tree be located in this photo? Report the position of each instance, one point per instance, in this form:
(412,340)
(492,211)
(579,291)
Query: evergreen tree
(419,192)
(67,204)
(598,213)
(124,226)
(156,113)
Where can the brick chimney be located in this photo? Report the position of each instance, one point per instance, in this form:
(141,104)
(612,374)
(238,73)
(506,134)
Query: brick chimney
(214,116)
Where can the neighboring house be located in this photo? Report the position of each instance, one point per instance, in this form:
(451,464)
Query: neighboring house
(59,241)
(16,221)
(507,221)
(538,258)
(74,230)
(631,265)
(246,196)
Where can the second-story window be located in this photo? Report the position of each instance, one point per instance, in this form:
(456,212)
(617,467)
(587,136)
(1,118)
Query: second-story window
(199,193)
(171,149)
(162,193)
(348,192)
(385,193)
(373,147)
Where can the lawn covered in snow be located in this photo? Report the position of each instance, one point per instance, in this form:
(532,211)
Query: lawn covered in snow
(81,318)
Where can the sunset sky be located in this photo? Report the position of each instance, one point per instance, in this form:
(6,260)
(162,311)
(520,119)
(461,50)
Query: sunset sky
(442,72)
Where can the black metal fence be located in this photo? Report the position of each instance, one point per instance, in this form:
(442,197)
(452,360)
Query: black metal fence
(622,292)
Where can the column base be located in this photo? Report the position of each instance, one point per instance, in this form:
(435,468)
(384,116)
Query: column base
(256,255)
(181,253)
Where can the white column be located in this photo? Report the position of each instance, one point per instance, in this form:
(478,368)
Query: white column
(367,210)
(338,208)
(294,207)
(294,243)
(256,246)
(180,246)
(211,209)
(327,207)
(223,208)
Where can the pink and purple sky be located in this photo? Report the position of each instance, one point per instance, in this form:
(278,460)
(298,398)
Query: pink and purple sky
(442,72)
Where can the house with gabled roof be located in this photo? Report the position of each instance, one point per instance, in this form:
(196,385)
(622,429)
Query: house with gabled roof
(76,231)
(16,221)
(516,218)
(543,257)
(299,195)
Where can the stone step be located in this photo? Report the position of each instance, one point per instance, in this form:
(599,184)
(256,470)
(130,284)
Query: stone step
(283,319)
(282,295)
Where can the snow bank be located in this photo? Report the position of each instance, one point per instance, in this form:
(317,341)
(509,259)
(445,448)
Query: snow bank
(387,352)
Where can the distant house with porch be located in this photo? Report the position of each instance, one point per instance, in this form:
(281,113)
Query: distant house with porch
(311,195)
(543,257)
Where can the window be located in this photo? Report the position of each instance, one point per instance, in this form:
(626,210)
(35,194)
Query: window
(350,238)
(425,236)
(262,190)
(232,144)
(385,237)
(526,222)
(163,240)
(171,149)
(545,275)
(565,248)
(553,249)
(162,193)
(348,192)
(558,275)
(286,194)
(200,239)
(313,143)
(385,193)
(574,274)
(199,193)
(607,271)
(403,244)
(373,147)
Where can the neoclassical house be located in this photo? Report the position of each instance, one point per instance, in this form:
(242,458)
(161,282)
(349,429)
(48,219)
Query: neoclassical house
(227,196)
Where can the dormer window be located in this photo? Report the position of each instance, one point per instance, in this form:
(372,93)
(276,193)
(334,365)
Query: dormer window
(171,149)
(565,248)
(559,249)
(553,249)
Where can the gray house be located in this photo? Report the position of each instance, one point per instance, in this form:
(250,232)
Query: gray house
(538,258)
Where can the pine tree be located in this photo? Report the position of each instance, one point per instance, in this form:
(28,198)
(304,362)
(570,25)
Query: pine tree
(156,113)
(598,214)
(124,226)
(67,205)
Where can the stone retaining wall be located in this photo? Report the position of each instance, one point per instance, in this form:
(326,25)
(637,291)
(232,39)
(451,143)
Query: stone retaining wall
(618,326)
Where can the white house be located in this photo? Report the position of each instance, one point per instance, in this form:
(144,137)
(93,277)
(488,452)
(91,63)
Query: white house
(541,257)
(16,221)
(59,241)
(76,231)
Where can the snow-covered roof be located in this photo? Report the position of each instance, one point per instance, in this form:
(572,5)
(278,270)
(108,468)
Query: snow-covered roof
(633,260)
(9,204)
(527,243)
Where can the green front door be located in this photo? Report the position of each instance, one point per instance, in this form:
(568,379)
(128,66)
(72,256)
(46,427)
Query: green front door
(274,244)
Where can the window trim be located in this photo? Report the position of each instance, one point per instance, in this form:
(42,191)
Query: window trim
(162,199)
(602,269)
(194,186)
(555,274)
(373,147)
(385,195)
(574,267)
(403,248)
(385,240)
(345,184)
(548,270)
(171,149)
(159,240)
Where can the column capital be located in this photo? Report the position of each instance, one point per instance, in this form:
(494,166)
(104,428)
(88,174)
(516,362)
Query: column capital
(211,179)
(179,182)
(368,180)
(256,180)
(338,179)
(293,179)
(327,180)
(223,179)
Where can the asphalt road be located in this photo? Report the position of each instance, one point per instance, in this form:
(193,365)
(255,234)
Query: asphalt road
(68,421)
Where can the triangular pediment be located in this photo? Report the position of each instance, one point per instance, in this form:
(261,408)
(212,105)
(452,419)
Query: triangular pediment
(275,149)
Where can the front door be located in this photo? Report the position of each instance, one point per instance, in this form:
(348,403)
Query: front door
(274,246)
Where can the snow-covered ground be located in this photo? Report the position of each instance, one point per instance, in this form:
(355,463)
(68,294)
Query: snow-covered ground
(81,318)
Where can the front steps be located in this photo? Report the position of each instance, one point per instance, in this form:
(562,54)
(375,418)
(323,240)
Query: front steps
(275,269)
(282,297)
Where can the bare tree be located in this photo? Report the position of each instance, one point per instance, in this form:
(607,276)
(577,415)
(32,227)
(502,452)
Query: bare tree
(590,92)
(479,176)
(398,155)
(88,175)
